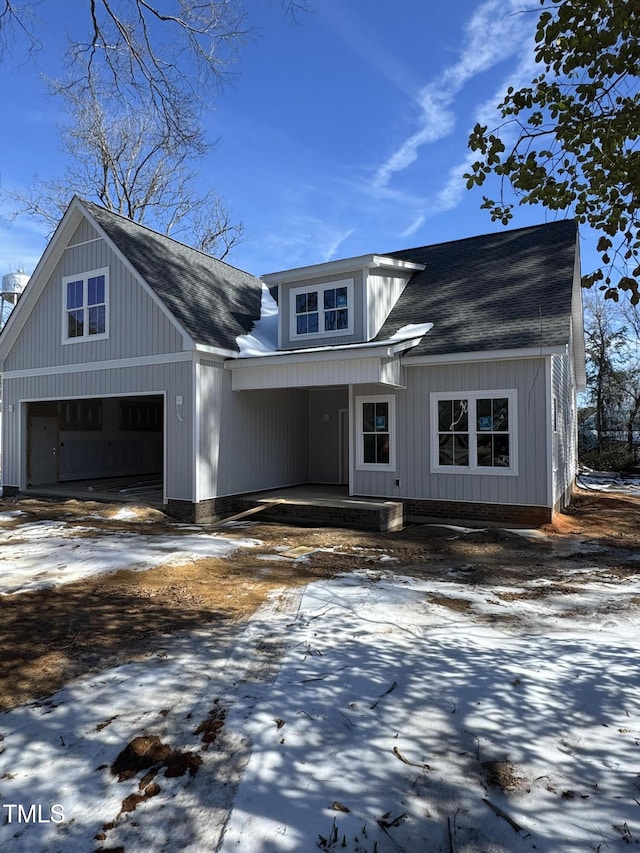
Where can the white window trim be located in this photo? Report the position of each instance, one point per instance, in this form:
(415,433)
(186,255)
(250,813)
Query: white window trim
(361,465)
(473,467)
(326,285)
(85,276)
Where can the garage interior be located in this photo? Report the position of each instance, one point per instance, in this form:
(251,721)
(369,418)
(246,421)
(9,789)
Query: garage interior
(110,444)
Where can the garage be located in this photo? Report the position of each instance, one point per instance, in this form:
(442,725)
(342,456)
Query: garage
(95,439)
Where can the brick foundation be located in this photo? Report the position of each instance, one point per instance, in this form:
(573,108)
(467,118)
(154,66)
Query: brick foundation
(203,512)
(10,491)
(529,516)
(379,515)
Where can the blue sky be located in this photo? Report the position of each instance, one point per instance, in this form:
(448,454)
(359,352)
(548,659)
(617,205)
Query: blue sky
(343,134)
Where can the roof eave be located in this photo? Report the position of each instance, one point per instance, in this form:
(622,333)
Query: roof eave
(363,262)
(376,349)
(484,355)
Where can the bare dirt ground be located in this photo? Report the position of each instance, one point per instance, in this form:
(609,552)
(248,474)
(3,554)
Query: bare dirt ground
(49,636)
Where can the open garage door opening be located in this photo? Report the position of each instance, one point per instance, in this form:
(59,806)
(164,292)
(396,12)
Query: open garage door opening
(108,444)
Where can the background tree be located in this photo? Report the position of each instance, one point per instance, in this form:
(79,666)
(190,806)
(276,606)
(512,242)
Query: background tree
(132,164)
(612,333)
(630,390)
(162,55)
(604,340)
(136,77)
(570,140)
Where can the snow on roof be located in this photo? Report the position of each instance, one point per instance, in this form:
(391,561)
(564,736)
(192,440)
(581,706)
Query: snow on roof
(262,340)
(263,337)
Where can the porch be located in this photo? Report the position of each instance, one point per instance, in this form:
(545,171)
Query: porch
(324,506)
(307,505)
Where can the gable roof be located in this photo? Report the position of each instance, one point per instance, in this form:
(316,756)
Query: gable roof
(502,291)
(213,301)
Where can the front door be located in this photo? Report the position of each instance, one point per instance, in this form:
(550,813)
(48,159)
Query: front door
(43,449)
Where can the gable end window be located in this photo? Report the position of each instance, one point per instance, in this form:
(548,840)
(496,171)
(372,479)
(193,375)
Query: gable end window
(85,302)
(376,433)
(322,309)
(474,432)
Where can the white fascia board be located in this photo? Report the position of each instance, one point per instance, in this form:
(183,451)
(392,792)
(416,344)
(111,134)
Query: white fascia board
(187,340)
(362,262)
(374,349)
(90,366)
(384,263)
(204,349)
(487,355)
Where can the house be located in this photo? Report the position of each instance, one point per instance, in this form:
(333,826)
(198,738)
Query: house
(443,378)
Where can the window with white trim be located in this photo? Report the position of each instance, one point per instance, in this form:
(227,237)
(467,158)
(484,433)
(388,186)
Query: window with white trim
(85,300)
(376,433)
(322,309)
(474,432)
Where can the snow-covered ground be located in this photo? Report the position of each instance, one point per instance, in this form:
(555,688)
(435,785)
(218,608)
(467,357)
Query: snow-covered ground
(396,707)
(50,553)
(606,481)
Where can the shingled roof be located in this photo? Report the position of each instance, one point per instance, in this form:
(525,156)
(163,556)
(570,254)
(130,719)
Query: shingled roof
(507,290)
(213,301)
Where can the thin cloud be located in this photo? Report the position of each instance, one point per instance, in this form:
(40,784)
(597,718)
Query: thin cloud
(356,32)
(289,247)
(331,249)
(455,188)
(415,225)
(494,33)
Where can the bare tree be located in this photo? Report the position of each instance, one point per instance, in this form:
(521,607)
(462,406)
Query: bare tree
(613,371)
(630,390)
(604,338)
(144,53)
(134,165)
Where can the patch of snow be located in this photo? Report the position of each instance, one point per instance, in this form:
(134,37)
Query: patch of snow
(47,554)
(411,330)
(123,514)
(10,515)
(536,535)
(608,481)
(263,337)
(457,529)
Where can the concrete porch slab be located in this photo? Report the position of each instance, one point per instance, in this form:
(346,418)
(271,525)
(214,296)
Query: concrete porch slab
(327,506)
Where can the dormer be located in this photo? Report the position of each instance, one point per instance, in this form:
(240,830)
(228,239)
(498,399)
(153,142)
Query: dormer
(339,302)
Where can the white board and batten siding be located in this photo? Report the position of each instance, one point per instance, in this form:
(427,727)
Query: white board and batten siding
(248,441)
(137,325)
(381,294)
(170,379)
(413,449)
(317,373)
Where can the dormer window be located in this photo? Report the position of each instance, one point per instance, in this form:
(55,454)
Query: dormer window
(85,303)
(322,310)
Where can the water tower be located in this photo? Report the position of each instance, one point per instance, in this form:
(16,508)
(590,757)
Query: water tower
(12,286)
